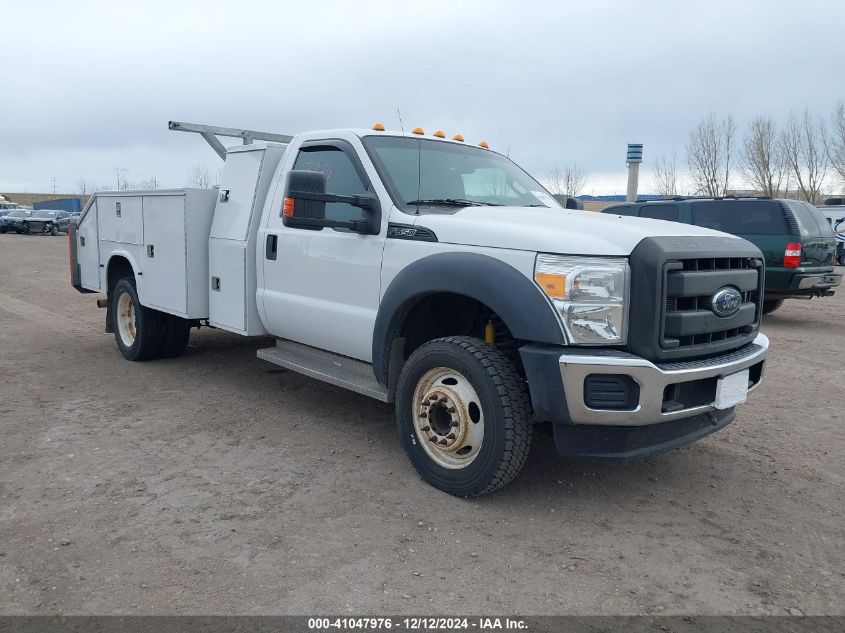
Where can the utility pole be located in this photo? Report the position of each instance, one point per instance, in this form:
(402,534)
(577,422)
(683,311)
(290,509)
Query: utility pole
(53,179)
(118,171)
(635,157)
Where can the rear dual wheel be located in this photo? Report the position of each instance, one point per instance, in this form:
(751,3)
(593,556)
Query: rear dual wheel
(143,333)
(463,415)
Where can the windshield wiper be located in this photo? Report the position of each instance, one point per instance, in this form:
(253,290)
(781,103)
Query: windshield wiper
(454,202)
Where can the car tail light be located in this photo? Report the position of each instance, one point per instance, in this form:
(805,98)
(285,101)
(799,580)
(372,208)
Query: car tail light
(792,255)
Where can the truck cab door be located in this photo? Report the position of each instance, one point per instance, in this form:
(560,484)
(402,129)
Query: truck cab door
(321,286)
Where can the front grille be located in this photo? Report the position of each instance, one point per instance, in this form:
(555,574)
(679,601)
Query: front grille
(688,321)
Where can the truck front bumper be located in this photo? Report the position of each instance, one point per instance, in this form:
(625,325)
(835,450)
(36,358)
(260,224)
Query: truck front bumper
(614,404)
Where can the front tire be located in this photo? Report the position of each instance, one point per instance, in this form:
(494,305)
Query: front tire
(463,415)
(770,305)
(137,329)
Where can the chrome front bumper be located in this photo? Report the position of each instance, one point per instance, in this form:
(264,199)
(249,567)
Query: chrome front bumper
(652,380)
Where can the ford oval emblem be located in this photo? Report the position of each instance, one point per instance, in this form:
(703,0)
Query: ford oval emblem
(726,301)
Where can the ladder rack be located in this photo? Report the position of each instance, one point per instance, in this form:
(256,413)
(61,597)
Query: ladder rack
(211,132)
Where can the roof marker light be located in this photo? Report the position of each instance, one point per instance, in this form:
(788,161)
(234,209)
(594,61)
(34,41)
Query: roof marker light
(458,138)
(378,127)
(417,130)
(484,145)
(440,134)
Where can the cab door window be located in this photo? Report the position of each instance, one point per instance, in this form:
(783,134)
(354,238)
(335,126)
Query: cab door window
(341,178)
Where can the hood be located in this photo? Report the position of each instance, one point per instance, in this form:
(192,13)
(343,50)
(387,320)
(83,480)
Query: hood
(547,230)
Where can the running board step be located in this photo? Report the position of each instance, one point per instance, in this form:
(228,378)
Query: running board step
(338,370)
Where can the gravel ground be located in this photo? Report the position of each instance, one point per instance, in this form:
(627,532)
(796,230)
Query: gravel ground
(217,483)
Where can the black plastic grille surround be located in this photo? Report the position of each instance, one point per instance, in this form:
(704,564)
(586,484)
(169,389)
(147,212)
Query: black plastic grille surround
(673,280)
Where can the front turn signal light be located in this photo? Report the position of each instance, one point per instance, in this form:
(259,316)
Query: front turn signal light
(553,285)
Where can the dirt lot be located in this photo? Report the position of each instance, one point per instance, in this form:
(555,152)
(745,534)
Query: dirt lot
(216,483)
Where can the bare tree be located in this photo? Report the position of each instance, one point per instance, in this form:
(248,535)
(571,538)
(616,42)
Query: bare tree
(666,176)
(762,158)
(148,183)
(803,146)
(709,153)
(836,141)
(568,181)
(199,177)
(82,185)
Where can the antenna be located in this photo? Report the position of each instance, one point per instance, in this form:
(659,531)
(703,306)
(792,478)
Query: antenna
(401,127)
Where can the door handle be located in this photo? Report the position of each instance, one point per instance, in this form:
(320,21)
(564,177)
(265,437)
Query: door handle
(270,248)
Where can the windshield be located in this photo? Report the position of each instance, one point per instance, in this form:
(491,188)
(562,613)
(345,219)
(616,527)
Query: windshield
(16,214)
(434,176)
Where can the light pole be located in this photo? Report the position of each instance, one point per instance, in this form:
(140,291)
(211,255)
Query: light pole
(118,171)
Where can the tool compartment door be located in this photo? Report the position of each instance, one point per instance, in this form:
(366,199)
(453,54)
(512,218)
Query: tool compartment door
(119,219)
(88,250)
(163,284)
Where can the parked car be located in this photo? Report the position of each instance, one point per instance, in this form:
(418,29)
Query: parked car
(46,222)
(14,221)
(796,239)
(7,207)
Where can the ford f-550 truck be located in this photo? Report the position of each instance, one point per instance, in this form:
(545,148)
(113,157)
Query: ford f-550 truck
(439,276)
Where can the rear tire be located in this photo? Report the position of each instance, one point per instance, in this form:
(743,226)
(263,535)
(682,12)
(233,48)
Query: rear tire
(770,305)
(175,334)
(463,415)
(137,329)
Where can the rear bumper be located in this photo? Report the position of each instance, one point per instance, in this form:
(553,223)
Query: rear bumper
(821,281)
(667,404)
(808,285)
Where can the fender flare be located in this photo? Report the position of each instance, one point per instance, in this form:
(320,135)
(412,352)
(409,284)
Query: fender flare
(128,257)
(514,297)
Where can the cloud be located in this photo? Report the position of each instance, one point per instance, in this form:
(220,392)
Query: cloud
(90,86)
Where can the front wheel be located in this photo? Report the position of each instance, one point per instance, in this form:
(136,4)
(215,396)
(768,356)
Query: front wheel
(463,415)
(137,329)
(770,305)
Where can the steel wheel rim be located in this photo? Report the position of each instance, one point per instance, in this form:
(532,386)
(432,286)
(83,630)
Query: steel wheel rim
(448,418)
(126,319)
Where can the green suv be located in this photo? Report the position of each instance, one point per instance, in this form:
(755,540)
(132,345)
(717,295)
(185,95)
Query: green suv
(796,239)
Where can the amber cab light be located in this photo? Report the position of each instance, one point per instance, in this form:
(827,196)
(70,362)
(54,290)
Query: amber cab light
(792,255)
(287,208)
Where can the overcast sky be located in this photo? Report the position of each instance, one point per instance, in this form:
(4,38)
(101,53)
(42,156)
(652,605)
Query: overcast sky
(88,87)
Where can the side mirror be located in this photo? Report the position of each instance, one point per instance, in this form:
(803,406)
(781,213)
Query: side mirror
(305,205)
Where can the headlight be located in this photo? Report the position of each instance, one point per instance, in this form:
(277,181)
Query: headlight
(590,293)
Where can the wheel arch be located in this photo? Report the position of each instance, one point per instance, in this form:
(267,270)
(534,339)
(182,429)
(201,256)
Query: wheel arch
(498,286)
(120,264)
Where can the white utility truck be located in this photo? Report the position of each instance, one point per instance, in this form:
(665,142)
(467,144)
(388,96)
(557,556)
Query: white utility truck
(440,276)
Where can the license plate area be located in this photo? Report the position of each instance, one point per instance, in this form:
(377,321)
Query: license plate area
(731,390)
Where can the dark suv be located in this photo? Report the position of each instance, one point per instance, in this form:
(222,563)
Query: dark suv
(796,239)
